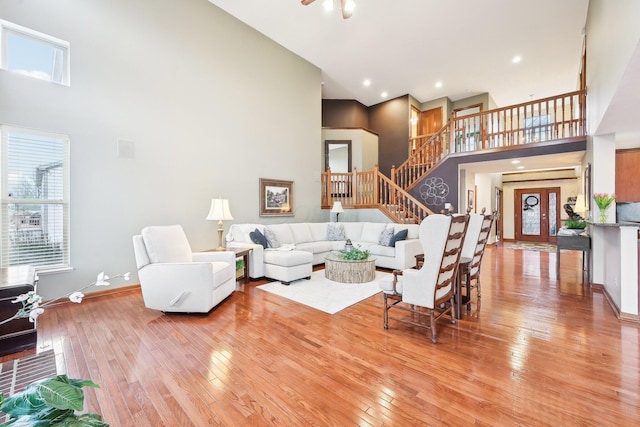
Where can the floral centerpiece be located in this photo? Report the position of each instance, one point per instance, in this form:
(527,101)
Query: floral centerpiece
(603,201)
(353,254)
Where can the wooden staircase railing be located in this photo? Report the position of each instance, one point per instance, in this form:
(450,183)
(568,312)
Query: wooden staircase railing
(371,189)
(429,151)
(549,119)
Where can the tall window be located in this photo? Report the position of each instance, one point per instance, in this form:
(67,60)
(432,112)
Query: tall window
(35,198)
(34,54)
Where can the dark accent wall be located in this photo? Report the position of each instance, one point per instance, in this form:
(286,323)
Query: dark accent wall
(390,120)
(344,113)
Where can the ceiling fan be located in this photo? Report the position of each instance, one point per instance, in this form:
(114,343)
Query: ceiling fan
(347,6)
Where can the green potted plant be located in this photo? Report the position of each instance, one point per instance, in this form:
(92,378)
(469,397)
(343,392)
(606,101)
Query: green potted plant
(573,223)
(50,402)
(353,254)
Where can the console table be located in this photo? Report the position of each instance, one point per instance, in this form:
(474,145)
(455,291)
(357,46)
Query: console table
(18,334)
(576,242)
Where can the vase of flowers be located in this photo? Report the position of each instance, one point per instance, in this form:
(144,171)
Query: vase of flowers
(603,201)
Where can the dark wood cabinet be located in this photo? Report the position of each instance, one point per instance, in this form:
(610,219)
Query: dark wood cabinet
(18,334)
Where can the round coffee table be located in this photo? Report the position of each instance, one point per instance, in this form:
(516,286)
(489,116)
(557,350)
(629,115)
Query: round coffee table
(349,271)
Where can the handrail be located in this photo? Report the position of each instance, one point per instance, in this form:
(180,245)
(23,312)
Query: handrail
(429,151)
(556,117)
(371,189)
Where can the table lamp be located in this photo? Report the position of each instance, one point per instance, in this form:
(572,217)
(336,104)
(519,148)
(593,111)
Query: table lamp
(580,207)
(219,212)
(337,209)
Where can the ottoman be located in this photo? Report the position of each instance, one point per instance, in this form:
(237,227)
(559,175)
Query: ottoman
(287,266)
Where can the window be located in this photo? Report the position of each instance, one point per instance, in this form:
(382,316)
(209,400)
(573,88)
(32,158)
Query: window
(537,128)
(33,54)
(35,198)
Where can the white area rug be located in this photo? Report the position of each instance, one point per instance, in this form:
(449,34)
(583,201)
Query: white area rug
(324,294)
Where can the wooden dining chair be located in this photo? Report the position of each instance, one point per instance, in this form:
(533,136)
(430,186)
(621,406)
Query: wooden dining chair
(471,258)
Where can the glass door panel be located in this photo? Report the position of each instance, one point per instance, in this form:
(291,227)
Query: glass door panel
(536,214)
(531,214)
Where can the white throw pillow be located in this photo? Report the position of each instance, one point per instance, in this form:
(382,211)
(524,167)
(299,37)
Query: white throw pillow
(271,238)
(385,237)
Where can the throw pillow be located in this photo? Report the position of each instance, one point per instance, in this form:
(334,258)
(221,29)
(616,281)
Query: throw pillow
(271,238)
(258,238)
(400,235)
(336,232)
(385,237)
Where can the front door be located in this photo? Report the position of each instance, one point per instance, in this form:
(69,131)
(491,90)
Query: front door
(537,214)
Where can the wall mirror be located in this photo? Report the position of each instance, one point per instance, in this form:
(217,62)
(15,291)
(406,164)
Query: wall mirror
(337,156)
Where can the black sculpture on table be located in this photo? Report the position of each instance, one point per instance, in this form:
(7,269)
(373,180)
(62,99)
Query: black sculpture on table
(568,208)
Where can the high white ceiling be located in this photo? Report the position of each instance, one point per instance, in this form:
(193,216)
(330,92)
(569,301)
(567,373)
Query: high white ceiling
(406,46)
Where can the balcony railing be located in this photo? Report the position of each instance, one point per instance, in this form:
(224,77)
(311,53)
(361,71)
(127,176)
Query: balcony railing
(549,119)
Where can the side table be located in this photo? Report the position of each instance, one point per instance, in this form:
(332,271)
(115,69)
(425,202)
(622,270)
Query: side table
(240,253)
(244,254)
(18,334)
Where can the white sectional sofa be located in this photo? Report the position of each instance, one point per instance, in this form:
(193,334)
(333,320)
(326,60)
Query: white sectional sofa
(302,245)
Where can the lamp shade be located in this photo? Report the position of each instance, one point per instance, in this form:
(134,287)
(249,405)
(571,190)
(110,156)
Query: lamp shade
(219,210)
(580,206)
(337,207)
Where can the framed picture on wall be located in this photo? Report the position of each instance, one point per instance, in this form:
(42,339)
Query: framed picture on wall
(276,197)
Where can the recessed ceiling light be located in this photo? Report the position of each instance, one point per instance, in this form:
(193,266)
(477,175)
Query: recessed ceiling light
(520,167)
(384,94)
(438,85)
(366,82)
(516,59)
(328,5)
(515,162)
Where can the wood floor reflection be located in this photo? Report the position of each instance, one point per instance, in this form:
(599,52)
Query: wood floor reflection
(538,352)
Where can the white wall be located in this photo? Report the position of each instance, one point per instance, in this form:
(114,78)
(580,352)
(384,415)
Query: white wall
(613,33)
(211,105)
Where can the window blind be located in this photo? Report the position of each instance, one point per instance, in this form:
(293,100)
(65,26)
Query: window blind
(35,199)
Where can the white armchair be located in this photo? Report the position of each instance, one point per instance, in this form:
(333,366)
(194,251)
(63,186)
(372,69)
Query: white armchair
(432,287)
(173,279)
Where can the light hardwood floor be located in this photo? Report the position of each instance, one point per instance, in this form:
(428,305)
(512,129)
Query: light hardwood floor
(538,352)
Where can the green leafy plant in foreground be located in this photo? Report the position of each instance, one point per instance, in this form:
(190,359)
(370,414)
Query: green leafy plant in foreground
(50,402)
